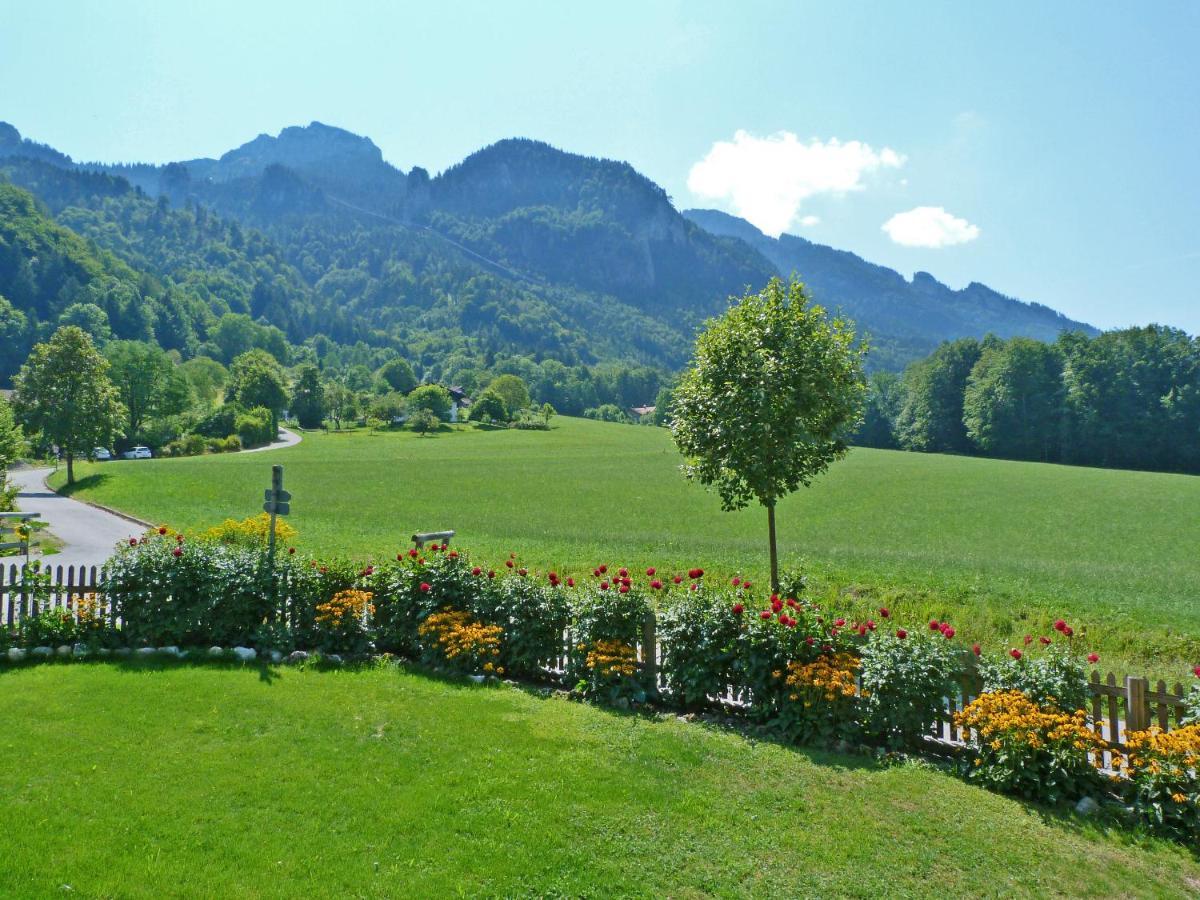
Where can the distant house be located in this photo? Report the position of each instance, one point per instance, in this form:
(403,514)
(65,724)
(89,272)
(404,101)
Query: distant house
(460,401)
(641,411)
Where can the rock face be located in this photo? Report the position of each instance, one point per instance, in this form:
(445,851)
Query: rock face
(15,654)
(245,654)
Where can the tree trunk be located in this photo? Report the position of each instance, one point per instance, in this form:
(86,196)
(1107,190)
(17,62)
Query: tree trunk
(71,469)
(774,551)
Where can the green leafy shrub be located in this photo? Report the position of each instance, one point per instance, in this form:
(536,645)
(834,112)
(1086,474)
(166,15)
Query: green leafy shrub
(413,587)
(1034,751)
(48,628)
(170,591)
(255,427)
(606,627)
(905,683)
(534,617)
(698,632)
(1057,676)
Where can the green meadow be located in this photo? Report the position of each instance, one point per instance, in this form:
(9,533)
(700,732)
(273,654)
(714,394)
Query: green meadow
(164,779)
(999,548)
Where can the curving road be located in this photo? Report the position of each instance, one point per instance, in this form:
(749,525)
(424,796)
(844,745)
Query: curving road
(89,534)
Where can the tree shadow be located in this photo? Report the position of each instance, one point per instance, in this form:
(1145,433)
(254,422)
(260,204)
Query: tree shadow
(96,479)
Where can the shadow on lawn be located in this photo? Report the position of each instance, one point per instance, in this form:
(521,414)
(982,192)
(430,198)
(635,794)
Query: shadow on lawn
(863,761)
(96,479)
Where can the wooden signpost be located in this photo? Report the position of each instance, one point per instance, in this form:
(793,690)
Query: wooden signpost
(277,503)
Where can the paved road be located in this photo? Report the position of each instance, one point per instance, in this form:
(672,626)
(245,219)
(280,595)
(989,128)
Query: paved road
(89,535)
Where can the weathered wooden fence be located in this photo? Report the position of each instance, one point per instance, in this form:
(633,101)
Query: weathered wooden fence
(21,596)
(1118,706)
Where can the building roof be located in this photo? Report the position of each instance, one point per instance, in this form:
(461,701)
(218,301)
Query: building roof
(643,410)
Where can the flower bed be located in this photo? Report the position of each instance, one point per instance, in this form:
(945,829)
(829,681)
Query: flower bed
(781,661)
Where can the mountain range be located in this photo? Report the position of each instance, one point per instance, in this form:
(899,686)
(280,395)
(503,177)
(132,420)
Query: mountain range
(519,249)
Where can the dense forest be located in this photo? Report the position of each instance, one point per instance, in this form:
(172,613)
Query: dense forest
(1122,399)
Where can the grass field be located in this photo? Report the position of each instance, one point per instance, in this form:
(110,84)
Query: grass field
(1000,548)
(167,780)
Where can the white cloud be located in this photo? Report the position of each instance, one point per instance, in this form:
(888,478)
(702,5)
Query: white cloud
(810,221)
(929,226)
(766,179)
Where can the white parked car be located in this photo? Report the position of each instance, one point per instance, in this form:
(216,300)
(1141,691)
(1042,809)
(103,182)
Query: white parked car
(137,453)
(99,454)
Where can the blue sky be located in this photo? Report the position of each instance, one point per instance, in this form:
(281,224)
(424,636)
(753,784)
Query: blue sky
(1046,149)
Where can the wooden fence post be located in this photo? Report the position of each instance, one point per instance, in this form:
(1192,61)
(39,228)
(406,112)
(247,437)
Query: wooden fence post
(1137,709)
(650,650)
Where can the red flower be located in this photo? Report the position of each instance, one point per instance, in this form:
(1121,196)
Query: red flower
(871,624)
(976,649)
(1015,653)
(604,585)
(746,585)
(766,614)
(901,633)
(509,563)
(133,542)
(177,552)
(935,625)
(424,587)
(738,609)
(602,569)
(624,573)
(809,641)
(399,557)
(695,573)
(1045,640)
(791,602)
(1069,631)
(840,622)
(1196,671)
(1028,639)
(1060,625)
(1093,658)
(862,630)
(179,538)
(790,622)
(656,584)
(775,604)
(413,552)
(570,582)
(595,573)
(323,570)
(522,571)
(476,570)
(369,570)
(491,574)
(678,579)
(162,530)
(650,571)
(453,554)
(695,586)
(948,632)
(624,589)
(735,581)
(553,576)
(884,612)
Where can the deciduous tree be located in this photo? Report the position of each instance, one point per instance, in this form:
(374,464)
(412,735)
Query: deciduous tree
(64,392)
(765,406)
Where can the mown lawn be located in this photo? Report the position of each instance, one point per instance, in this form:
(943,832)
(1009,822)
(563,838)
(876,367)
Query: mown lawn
(1000,548)
(172,780)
